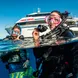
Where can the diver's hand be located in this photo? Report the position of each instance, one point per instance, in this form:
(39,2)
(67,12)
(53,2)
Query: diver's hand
(26,64)
(35,34)
(58,42)
(36,37)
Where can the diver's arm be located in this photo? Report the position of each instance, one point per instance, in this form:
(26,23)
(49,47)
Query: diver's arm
(26,63)
(36,43)
(7,38)
(68,34)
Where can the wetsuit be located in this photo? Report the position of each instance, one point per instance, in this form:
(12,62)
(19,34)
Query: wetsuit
(59,63)
(18,62)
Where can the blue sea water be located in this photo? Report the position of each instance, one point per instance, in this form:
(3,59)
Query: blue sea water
(6,46)
(3,71)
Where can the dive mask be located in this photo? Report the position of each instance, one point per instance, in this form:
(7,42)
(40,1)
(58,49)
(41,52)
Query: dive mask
(56,21)
(15,32)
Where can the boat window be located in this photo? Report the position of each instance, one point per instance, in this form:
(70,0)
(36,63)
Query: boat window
(23,23)
(32,22)
(70,23)
(76,33)
(77,22)
(28,26)
(38,15)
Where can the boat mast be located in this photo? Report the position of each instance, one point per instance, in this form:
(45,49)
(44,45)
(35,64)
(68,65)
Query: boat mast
(38,10)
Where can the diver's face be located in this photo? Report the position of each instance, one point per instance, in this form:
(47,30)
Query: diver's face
(15,33)
(54,20)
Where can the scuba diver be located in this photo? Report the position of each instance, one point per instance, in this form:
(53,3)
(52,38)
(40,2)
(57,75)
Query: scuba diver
(16,34)
(56,22)
(17,61)
(56,60)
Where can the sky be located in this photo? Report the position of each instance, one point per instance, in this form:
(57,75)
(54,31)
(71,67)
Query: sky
(12,10)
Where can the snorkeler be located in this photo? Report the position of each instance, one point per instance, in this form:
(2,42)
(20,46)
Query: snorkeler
(18,62)
(54,68)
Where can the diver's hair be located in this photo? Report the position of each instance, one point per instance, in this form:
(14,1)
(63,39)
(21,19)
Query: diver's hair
(16,26)
(57,12)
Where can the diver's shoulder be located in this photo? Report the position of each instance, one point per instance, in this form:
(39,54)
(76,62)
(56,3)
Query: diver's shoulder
(7,38)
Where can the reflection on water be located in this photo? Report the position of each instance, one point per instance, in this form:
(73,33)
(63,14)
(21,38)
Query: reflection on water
(6,45)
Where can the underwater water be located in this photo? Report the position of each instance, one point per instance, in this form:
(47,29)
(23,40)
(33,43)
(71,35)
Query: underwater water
(3,71)
(7,46)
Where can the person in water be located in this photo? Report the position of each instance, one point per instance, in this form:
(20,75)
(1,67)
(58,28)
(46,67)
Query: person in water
(50,68)
(15,35)
(54,19)
(17,61)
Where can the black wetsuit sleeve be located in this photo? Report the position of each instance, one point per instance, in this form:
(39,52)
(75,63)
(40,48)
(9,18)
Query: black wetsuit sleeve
(68,34)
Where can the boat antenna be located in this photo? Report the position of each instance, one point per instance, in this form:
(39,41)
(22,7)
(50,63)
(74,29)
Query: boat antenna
(38,10)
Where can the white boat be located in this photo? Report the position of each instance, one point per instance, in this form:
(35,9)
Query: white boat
(32,20)
(73,24)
